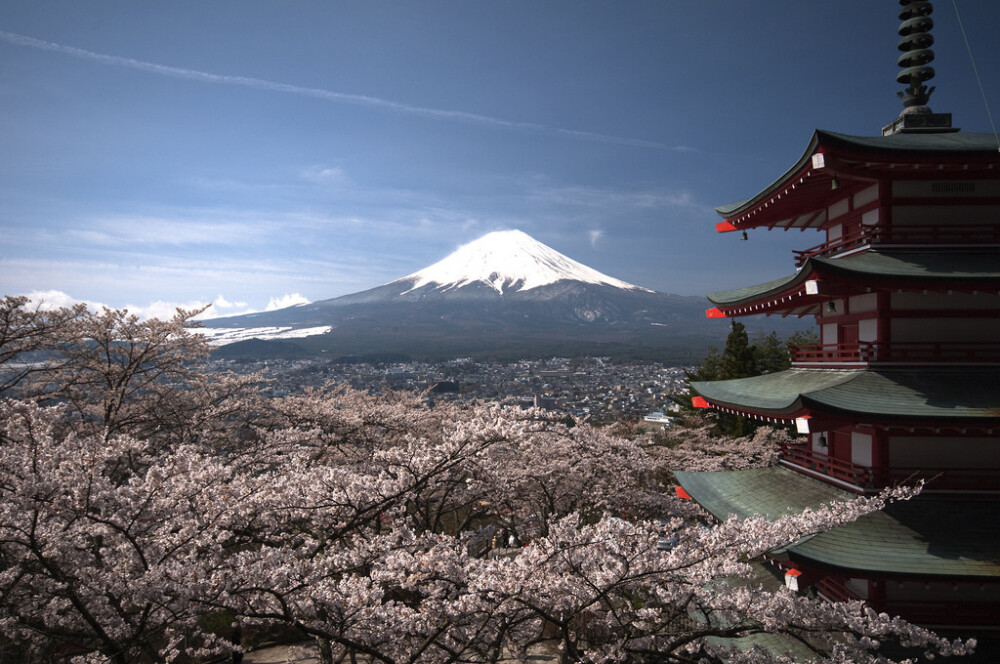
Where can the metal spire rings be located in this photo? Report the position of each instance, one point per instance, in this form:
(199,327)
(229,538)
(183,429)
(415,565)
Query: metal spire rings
(915,30)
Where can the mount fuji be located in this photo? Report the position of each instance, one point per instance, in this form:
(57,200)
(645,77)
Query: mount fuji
(505,296)
(509,261)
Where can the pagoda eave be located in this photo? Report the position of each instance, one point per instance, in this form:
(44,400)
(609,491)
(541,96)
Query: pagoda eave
(906,400)
(835,166)
(819,279)
(809,417)
(921,538)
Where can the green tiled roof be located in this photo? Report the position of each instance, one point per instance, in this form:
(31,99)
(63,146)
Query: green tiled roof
(929,267)
(772,492)
(901,145)
(929,393)
(922,536)
(750,293)
(958,142)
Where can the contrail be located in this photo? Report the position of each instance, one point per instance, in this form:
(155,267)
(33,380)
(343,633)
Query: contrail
(328,95)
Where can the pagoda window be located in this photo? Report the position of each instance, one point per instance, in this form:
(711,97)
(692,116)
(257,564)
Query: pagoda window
(861,449)
(866,196)
(868,329)
(828,333)
(871,218)
(864,303)
(834,233)
(839,209)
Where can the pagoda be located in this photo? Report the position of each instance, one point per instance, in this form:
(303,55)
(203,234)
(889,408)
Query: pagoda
(905,382)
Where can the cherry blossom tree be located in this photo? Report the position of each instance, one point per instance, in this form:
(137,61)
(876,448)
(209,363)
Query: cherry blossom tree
(693,444)
(103,541)
(609,592)
(117,373)
(145,504)
(27,335)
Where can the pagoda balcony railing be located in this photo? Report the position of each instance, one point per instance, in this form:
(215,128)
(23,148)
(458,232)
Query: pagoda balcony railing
(835,590)
(856,237)
(865,478)
(916,353)
(845,472)
(963,236)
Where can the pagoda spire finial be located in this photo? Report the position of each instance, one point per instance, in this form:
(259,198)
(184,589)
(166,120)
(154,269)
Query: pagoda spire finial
(915,30)
(915,44)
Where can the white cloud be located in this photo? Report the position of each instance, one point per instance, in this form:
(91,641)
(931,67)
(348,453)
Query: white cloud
(287,300)
(163,309)
(55,299)
(222,303)
(49,300)
(594,236)
(324,175)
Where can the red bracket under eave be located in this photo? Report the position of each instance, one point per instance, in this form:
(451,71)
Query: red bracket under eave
(700,402)
(681,493)
(724,227)
(715,312)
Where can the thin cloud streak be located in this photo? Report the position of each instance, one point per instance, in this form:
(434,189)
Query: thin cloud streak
(328,95)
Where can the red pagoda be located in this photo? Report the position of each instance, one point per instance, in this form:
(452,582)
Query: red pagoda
(905,382)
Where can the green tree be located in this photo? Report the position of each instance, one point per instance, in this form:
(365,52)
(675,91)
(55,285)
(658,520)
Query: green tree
(770,353)
(738,360)
(742,359)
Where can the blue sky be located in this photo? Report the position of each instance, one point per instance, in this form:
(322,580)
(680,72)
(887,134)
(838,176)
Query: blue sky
(246,152)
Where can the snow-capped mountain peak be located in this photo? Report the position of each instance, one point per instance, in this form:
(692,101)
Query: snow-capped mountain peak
(507,261)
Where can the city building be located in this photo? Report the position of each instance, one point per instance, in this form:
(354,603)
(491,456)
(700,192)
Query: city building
(905,382)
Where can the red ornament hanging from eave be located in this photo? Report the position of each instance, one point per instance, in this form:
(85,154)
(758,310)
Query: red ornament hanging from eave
(715,312)
(681,493)
(700,402)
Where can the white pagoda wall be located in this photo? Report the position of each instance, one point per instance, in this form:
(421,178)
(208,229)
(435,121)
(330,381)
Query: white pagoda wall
(861,449)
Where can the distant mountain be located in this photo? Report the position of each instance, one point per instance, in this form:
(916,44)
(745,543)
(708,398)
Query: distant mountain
(508,262)
(504,295)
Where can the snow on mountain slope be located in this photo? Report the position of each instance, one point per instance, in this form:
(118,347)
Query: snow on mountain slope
(506,261)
